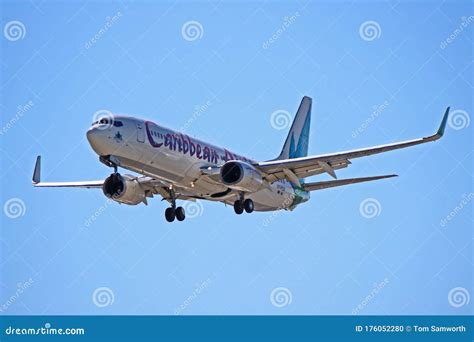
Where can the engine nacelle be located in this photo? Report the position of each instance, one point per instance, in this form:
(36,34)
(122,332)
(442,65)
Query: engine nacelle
(123,189)
(239,175)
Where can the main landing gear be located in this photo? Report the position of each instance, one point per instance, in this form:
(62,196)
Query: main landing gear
(240,205)
(174,212)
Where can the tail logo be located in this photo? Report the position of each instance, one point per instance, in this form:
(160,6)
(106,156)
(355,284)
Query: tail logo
(301,148)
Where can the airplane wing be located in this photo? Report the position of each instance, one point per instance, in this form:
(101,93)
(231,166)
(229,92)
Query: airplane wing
(82,184)
(294,169)
(151,185)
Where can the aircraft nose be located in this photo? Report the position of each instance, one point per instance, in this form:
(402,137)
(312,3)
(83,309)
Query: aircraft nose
(92,135)
(94,138)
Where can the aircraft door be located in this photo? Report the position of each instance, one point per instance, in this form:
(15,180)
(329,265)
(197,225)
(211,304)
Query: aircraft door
(140,132)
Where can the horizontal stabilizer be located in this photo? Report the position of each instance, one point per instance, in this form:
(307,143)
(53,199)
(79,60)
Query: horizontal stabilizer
(341,182)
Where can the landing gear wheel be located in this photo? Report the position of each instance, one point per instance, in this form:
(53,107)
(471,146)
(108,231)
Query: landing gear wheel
(180,214)
(248,205)
(238,207)
(170,214)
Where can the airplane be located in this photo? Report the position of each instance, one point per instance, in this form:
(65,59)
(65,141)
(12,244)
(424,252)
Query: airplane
(177,167)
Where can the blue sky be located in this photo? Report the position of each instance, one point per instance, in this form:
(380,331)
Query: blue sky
(378,72)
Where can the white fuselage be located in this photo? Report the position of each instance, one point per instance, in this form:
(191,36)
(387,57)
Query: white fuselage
(179,160)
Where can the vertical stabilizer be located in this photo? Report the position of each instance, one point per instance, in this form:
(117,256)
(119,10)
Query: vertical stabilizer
(296,144)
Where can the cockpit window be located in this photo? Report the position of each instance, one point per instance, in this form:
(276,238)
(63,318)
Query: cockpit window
(118,123)
(104,121)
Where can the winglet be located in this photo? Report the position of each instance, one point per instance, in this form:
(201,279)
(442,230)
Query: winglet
(37,171)
(443,124)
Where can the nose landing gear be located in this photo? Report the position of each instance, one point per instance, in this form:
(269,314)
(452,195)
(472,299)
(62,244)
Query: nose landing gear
(106,160)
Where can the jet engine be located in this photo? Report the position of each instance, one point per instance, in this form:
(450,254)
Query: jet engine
(241,176)
(123,189)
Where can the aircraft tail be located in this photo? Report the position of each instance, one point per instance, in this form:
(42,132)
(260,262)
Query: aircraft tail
(296,143)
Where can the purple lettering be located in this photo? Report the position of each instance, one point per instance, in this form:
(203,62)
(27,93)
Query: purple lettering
(168,141)
(150,136)
(206,154)
(214,156)
(198,151)
(180,143)
(175,141)
(185,144)
(192,147)
(228,156)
